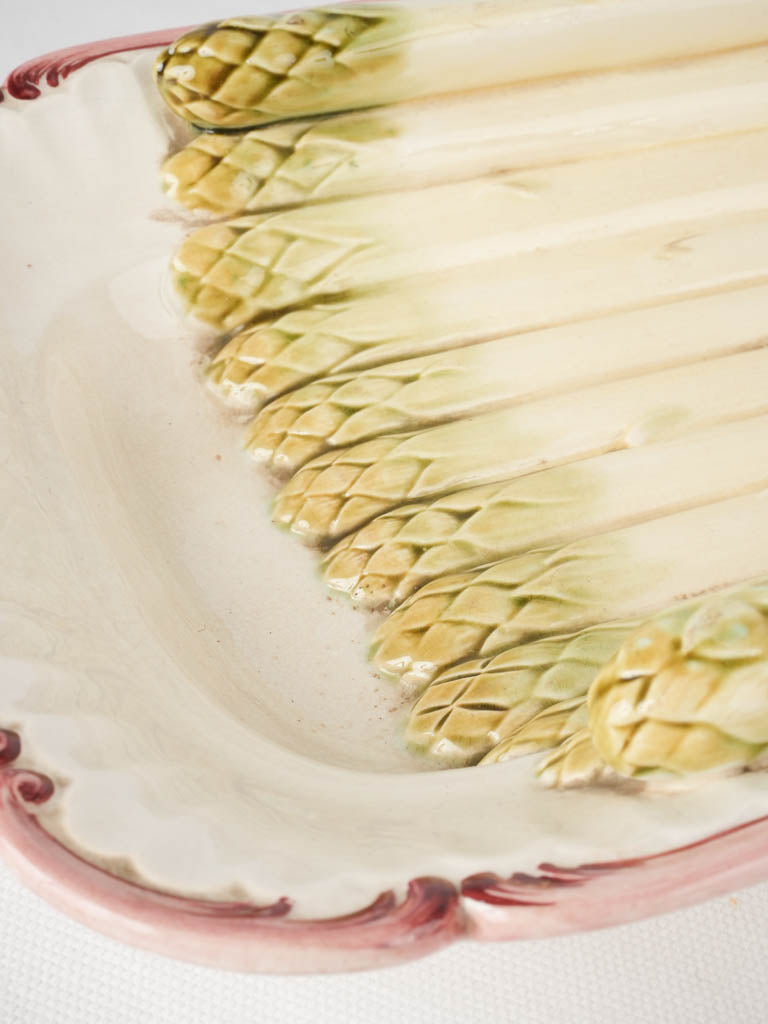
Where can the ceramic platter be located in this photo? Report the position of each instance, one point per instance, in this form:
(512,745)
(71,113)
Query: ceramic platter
(196,757)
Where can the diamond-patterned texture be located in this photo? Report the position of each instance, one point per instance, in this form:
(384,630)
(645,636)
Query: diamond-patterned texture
(245,71)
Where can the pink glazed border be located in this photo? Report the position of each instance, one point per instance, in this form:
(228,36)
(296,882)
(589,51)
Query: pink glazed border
(434,912)
(52,68)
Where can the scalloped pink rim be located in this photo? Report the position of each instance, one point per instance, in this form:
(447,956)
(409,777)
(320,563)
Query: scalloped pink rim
(51,68)
(434,912)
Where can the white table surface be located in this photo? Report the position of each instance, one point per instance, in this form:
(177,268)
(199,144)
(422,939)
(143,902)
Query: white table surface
(702,965)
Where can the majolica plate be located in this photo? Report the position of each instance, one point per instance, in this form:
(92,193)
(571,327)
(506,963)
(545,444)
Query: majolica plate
(196,757)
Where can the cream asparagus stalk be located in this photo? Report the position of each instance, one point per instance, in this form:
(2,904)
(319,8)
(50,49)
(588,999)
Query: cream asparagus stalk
(349,408)
(470,134)
(688,691)
(248,71)
(232,272)
(468,306)
(623,574)
(339,491)
(395,554)
(470,708)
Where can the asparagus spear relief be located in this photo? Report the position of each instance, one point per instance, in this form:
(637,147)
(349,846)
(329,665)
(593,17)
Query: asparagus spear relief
(340,491)
(232,272)
(407,395)
(244,72)
(497,274)
(439,312)
(475,707)
(385,561)
(425,143)
(684,696)
(622,574)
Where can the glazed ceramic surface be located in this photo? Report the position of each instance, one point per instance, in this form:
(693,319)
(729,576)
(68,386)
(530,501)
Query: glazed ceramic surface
(197,757)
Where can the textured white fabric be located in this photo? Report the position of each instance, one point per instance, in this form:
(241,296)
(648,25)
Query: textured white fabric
(704,965)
